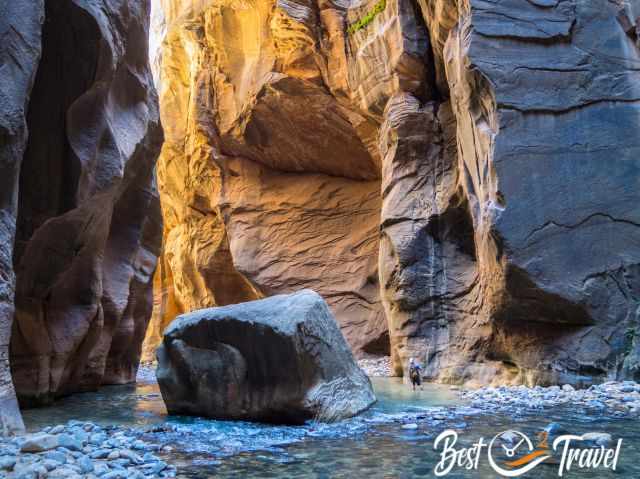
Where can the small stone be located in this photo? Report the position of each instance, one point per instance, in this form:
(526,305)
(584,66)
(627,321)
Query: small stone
(81,436)
(100,469)
(148,457)
(155,468)
(122,462)
(34,471)
(97,438)
(139,445)
(410,426)
(57,429)
(7,463)
(63,473)
(50,465)
(86,465)
(56,456)
(101,454)
(113,455)
(132,456)
(39,443)
(115,475)
(69,442)
(598,438)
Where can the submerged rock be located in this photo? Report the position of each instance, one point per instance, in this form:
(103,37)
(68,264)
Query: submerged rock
(280,359)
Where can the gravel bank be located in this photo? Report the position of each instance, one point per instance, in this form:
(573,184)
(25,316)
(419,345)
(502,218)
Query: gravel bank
(81,450)
(621,398)
(376,366)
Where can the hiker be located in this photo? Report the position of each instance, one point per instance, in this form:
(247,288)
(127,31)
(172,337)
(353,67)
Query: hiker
(415,374)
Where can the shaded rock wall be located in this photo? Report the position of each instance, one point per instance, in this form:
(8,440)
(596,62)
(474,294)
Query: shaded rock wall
(88,225)
(492,145)
(547,115)
(20,30)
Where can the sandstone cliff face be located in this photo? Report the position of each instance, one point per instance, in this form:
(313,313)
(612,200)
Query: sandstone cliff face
(270,175)
(88,225)
(461,176)
(547,115)
(20,30)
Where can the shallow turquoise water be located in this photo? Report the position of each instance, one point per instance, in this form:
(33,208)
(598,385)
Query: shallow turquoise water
(373,445)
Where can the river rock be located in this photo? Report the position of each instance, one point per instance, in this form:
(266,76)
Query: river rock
(69,442)
(280,359)
(598,438)
(40,442)
(7,462)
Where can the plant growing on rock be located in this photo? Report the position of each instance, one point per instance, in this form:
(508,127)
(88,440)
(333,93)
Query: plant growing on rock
(365,21)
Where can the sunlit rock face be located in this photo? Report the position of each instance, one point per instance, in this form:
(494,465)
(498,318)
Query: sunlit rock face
(88,225)
(458,179)
(270,175)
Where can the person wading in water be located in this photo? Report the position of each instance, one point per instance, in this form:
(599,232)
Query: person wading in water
(415,374)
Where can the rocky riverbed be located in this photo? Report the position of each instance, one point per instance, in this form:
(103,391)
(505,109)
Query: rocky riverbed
(620,398)
(376,366)
(147,443)
(82,450)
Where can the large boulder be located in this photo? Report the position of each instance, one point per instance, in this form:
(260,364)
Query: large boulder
(280,359)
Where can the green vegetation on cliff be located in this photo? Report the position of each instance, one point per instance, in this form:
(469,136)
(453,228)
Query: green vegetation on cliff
(368,18)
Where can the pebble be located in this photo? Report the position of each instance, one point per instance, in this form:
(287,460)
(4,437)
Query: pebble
(69,442)
(7,462)
(56,429)
(598,438)
(86,466)
(39,443)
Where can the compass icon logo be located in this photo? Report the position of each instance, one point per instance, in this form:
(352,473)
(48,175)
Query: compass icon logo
(511,453)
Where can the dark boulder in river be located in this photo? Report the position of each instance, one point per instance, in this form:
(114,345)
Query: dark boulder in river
(282,360)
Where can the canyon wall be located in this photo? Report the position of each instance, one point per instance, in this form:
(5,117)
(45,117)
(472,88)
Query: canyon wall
(82,224)
(458,178)
(20,30)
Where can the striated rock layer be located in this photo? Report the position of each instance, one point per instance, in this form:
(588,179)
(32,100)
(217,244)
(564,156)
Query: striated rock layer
(88,226)
(458,178)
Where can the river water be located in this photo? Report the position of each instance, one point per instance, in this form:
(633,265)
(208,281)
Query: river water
(381,443)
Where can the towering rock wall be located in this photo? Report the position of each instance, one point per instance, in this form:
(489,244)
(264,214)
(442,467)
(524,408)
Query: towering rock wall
(546,106)
(88,226)
(20,30)
(459,179)
(270,175)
